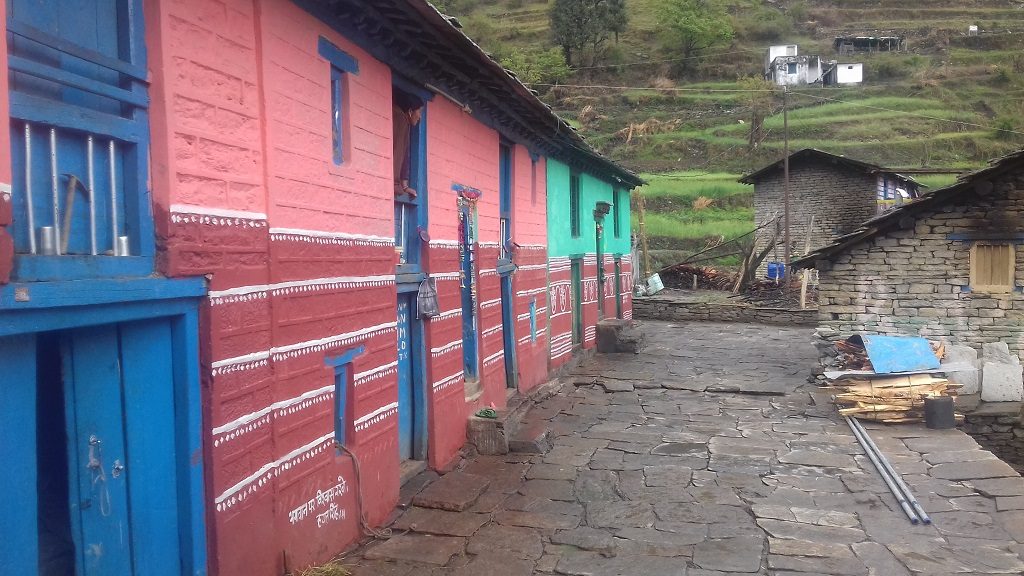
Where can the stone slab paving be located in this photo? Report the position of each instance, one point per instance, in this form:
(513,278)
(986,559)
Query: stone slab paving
(708,455)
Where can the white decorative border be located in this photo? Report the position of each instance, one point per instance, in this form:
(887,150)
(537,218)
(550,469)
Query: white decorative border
(257,359)
(441,350)
(492,330)
(325,237)
(441,243)
(188,214)
(250,484)
(446,275)
(561,345)
(532,291)
(494,357)
(532,267)
(298,349)
(457,312)
(261,291)
(443,383)
(361,378)
(489,244)
(378,415)
(489,303)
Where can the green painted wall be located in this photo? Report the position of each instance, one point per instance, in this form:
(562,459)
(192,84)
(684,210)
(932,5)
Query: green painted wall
(592,190)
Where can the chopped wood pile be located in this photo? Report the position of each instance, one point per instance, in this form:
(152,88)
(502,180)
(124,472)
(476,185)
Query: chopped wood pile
(682,276)
(882,397)
(890,398)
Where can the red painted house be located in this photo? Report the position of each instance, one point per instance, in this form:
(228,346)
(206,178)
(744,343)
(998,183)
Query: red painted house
(323,167)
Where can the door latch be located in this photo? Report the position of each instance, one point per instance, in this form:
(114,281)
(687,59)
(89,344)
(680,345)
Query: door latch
(116,469)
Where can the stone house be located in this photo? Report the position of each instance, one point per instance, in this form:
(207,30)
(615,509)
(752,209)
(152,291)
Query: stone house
(839,193)
(945,267)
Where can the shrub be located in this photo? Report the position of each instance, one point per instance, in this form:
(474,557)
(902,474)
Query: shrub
(537,66)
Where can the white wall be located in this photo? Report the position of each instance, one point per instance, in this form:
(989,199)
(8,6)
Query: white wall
(849,73)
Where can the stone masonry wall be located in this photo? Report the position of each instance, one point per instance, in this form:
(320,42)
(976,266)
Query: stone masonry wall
(916,281)
(1001,434)
(840,199)
(675,310)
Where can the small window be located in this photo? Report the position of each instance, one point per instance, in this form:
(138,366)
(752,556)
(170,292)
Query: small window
(992,268)
(616,213)
(791,68)
(342,64)
(337,115)
(342,374)
(574,204)
(533,320)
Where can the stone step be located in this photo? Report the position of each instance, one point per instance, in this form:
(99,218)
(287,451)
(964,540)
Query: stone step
(493,435)
(532,438)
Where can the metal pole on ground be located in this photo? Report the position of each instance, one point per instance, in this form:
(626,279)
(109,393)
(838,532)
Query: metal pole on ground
(785,181)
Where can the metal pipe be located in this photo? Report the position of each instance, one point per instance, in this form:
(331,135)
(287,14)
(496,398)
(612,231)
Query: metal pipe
(28,190)
(92,186)
(882,472)
(112,148)
(55,195)
(896,476)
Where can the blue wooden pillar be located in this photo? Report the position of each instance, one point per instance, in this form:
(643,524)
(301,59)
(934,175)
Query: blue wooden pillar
(19,551)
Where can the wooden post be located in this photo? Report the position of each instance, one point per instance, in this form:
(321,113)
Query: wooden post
(643,234)
(785,183)
(804,273)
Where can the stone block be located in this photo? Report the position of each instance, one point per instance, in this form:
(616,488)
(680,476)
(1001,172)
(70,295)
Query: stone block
(998,352)
(1001,382)
(969,379)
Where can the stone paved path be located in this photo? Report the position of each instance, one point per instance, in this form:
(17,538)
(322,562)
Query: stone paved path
(708,455)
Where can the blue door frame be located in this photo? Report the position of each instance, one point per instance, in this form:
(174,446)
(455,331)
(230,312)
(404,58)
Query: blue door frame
(505,266)
(70,306)
(467,271)
(413,399)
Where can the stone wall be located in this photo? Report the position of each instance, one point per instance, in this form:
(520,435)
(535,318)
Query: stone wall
(839,197)
(916,281)
(675,310)
(1001,434)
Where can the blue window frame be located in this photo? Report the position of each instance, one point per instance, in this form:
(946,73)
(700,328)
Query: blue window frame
(342,385)
(505,199)
(337,115)
(342,63)
(533,320)
(80,139)
(617,213)
(574,204)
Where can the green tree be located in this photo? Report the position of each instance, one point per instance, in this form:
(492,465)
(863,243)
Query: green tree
(692,26)
(579,24)
(617,17)
(537,66)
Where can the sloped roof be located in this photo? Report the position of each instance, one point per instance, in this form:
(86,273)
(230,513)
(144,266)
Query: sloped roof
(907,213)
(426,46)
(815,154)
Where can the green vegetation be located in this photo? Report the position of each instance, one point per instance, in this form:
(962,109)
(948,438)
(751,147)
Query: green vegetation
(693,115)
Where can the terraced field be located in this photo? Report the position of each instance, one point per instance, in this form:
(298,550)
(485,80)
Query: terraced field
(950,100)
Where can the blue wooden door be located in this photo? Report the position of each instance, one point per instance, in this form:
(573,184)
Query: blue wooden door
(97,454)
(467,267)
(405,377)
(508,318)
(121,453)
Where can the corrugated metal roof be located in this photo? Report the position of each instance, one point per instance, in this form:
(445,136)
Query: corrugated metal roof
(814,153)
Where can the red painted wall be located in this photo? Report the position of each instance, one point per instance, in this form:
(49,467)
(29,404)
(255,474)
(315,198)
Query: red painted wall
(301,261)
(6,242)
(529,282)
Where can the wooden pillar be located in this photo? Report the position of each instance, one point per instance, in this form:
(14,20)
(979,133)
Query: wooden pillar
(6,242)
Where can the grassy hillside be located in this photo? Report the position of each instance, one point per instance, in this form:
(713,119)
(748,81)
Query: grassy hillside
(950,100)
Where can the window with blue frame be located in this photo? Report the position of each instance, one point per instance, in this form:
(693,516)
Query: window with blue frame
(533,320)
(574,204)
(80,139)
(343,384)
(342,64)
(410,141)
(505,200)
(617,213)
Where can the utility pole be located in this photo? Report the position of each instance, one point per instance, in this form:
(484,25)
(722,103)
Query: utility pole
(785,182)
(641,212)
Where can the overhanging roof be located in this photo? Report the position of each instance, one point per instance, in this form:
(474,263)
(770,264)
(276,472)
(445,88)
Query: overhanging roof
(419,42)
(905,215)
(815,154)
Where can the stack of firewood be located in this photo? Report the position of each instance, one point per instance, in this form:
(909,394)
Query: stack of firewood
(889,398)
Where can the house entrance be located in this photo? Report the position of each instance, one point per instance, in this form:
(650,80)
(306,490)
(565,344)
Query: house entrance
(106,484)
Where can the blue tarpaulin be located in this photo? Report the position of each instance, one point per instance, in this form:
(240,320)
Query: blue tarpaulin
(889,354)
